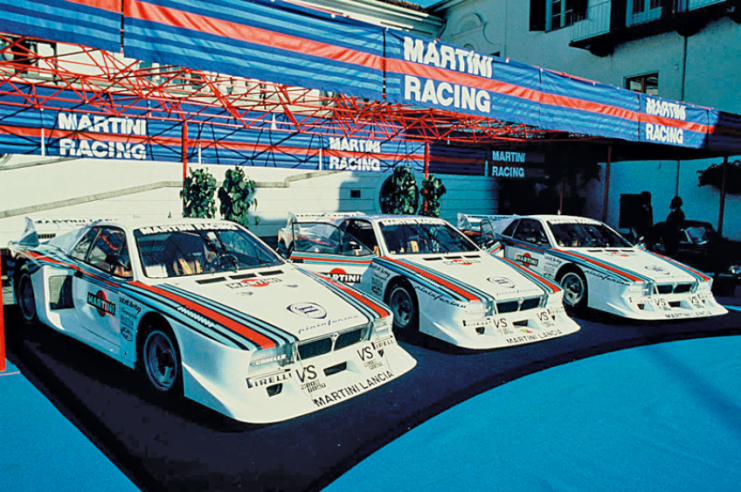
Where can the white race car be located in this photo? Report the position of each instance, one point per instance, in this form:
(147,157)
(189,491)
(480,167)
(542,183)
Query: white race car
(205,309)
(435,280)
(600,269)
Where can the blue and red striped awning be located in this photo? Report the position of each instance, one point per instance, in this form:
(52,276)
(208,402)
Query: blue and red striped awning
(286,43)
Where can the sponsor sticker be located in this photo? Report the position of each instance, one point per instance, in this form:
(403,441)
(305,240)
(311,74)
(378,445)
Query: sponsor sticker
(101,303)
(346,278)
(461,262)
(502,282)
(377,345)
(526,259)
(352,390)
(269,379)
(253,282)
(308,309)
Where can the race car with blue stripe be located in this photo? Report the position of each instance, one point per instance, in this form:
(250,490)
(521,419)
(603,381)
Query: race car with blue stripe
(434,279)
(598,268)
(204,309)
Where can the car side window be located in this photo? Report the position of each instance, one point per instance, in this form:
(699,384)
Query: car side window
(79,252)
(363,232)
(531,231)
(110,253)
(510,229)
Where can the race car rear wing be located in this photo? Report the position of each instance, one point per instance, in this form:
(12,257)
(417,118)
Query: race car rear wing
(320,217)
(472,222)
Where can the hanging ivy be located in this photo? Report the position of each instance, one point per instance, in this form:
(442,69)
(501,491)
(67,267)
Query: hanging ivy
(713,176)
(236,196)
(198,194)
(432,191)
(399,193)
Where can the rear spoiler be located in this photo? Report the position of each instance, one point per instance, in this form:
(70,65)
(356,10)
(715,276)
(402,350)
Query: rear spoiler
(470,222)
(320,217)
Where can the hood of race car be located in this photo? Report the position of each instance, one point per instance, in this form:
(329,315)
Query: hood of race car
(638,263)
(481,271)
(282,296)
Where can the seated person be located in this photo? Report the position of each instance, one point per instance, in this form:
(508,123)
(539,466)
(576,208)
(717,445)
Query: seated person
(189,254)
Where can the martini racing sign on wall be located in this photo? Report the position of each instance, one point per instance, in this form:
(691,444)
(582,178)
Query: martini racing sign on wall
(517,164)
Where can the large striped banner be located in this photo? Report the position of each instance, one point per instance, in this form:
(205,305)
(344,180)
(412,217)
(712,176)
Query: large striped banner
(84,131)
(93,23)
(275,41)
(428,73)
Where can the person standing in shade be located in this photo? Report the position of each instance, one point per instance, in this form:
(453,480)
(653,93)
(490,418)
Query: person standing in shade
(645,219)
(674,222)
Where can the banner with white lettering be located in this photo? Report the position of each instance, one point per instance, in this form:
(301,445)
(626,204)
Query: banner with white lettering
(371,155)
(673,123)
(428,73)
(583,106)
(447,159)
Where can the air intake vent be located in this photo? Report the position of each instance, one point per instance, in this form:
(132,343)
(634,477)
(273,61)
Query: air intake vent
(242,275)
(434,258)
(271,272)
(60,292)
(211,280)
(324,345)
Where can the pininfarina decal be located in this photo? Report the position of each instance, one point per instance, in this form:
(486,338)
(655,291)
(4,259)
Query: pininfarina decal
(101,303)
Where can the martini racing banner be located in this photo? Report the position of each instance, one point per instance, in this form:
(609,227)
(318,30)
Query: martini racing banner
(274,41)
(582,106)
(93,23)
(86,131)
(429,73)
(673,123)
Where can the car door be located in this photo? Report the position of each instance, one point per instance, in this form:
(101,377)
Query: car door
(527,244)
(105,266)
(327,249)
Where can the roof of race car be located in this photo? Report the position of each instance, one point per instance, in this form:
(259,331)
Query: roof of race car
(410,218)
(142,223)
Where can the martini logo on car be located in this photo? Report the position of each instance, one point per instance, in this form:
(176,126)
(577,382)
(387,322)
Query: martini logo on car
(308,309)
(253,282)
(460,262)
(526,260)
(501,281)
(342,276)
(101,303)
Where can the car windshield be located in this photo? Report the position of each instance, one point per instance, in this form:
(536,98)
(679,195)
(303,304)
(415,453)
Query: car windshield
(177,251)
(410,238)
(587,235)
(697,235)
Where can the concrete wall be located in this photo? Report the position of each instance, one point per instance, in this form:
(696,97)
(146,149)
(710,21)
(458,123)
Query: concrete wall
(710,79)
(52,188)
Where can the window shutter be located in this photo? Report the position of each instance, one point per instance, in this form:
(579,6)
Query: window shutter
(537,15)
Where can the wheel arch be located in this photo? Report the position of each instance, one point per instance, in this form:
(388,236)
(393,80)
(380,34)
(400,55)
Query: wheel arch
(570,267)
(399,280)
(148,321)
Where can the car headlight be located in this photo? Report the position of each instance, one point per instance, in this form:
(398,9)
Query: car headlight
(735,269)
(279,355)
(644,288)
(383,326)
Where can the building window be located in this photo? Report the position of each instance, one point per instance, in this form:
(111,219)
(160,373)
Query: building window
(640,11)
(550,15)
(647,84)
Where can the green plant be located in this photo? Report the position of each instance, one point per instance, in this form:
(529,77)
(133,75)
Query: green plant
(713,176)
(399,193)
(198,194)
(236,197)
(432,190)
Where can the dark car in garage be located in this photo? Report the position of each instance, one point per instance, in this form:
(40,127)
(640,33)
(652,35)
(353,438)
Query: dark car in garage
(702,247)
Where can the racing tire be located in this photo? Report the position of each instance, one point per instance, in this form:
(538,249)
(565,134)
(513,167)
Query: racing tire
(160,360)
(575,292)
(403,304)
(25,297)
